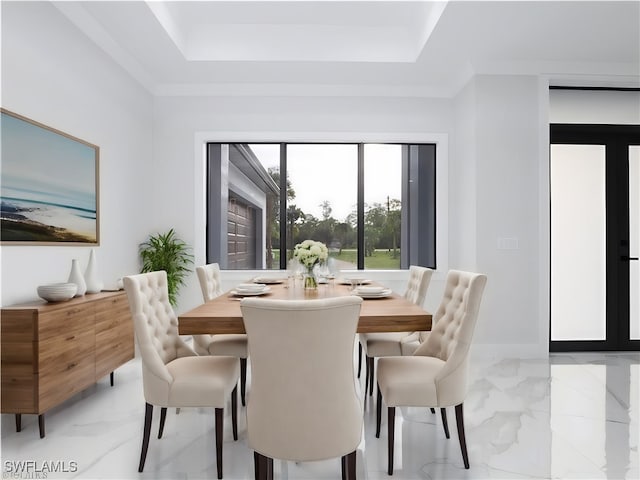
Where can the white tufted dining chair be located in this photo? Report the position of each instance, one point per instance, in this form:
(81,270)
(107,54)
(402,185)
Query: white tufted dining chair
(234,345)
(304,403)
(173,375)
(436,375)
(389,344)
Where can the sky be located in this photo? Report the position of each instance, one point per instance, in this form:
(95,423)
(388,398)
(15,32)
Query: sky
(328,172)
(40,164)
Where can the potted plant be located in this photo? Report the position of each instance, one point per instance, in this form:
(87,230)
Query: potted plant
(165,251)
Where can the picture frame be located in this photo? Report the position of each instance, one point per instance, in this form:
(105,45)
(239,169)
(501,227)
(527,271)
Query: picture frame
(49,185)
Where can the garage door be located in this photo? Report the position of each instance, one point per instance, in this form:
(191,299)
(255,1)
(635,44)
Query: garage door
(241,235)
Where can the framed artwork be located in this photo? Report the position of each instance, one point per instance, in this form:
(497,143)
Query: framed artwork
(49,186)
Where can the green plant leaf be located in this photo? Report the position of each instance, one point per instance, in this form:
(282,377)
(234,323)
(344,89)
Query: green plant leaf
(165,251)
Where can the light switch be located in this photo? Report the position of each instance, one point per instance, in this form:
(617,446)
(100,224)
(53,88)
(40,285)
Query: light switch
(508,243)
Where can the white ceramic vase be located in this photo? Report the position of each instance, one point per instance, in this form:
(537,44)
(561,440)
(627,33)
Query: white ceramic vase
(94,285)
(76,277)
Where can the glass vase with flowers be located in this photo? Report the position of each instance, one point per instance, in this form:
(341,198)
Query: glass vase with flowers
(309,254)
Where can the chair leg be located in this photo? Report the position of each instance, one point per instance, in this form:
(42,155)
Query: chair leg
(359,358)
(391,416)
(257,466)
(461,438)
(163,417)
(349,466)
(263,467)
(18,422)
(269,468)
(243,380)
(219,432)
(378,411)
(372,369)
(41,424)
(148,414)
(445,424)
(366,375)
(234,412)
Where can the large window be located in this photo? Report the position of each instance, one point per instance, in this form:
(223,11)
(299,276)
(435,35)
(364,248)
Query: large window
(373,205)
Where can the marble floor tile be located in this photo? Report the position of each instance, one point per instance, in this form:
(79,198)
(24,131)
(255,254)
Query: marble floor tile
(570,416)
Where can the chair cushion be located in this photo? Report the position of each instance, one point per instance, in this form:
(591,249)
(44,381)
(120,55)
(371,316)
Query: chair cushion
(410,343)
(202,381)
(409,381)
(409,347)
(229,344)
(382,344)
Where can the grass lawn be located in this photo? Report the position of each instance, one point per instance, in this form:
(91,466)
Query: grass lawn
(380,260)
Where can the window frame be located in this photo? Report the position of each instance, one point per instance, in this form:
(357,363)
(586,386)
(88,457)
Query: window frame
(439,140)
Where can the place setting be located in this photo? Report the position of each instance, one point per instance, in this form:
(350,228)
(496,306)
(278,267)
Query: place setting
(353,281)
(268,280)
(250,289)
(371,292)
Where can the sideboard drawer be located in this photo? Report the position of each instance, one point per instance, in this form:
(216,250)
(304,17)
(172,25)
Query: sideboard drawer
(113,348)
(66,321)
(59,353)
(112,313)
(71,377)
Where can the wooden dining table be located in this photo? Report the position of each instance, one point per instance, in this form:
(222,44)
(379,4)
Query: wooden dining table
(392,313)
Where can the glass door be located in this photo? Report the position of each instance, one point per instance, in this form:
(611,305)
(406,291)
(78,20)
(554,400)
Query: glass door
(595,212)
(634,243)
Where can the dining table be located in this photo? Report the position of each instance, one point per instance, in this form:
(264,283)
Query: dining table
(385,313)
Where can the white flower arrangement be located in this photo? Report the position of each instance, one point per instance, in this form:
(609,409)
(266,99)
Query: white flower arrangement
(309,253)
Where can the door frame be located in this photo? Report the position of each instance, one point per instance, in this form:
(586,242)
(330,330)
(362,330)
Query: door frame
(616,139)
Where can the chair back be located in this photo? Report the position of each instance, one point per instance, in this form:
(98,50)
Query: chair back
(156,329)
(418,284)
(453,326)
(304,403)
(209,278)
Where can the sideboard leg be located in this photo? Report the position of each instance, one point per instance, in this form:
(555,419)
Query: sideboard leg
(18,422)
(111,378)
(41,424)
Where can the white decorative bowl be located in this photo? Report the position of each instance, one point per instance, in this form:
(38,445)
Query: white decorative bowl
(57,292)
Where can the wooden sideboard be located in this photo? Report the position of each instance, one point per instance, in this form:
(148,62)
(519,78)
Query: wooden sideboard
(51,351)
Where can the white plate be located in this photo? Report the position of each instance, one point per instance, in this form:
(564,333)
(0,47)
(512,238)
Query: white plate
(249,293)
(250,287)
(268,281)
(382,294)
(347,281)
(370,290)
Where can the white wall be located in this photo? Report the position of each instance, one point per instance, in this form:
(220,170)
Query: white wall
(495,208)
(599,106)
(52,74)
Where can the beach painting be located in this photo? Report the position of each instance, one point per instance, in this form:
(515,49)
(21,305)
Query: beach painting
(48,185)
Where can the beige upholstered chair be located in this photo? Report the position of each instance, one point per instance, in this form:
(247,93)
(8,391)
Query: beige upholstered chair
(304,403)
(436,375)
(234,345)
(173,375)
(389,344)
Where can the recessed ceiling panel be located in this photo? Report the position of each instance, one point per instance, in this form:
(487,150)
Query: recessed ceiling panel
(318,31)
